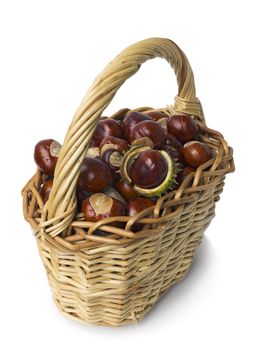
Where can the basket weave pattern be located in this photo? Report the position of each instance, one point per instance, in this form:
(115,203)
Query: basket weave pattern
(116,279)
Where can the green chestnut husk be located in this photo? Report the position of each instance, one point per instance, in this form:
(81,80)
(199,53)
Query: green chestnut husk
(147,190)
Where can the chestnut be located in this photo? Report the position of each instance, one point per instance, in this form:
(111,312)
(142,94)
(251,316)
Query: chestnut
(135,206)
(104,128)
(196,153)
(183,127)
(46,155)
(125,189)
(172,141)
(142,141)
(149,169)
(176,155)
(120,115)
(156,115)
(80,195)
(183,174)
(150,129)
(113,158)
(45,190)
(118,143)
(130,121)
(101,206)
(95,175)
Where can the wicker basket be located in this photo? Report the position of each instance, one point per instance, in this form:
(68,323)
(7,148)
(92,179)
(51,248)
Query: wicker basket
(115,279)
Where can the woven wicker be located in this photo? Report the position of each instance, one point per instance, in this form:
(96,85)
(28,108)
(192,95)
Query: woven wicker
(115,279)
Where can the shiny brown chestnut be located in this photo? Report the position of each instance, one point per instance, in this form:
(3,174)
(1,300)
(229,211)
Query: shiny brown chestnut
(183,174)
(150,129)
(120,115)
(45,190)
(120,144)
(46,155)
(152,172)
(176,155)
(149,169)
(113,158)
(125,189)
(130,121)
(183,127)
(172,141)
(101,206)
(104,128)
(80,195)
(135,206)
(196,153)
(95,175)
(156,115)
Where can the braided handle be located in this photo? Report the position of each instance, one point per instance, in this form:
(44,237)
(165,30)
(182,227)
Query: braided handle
(60,208)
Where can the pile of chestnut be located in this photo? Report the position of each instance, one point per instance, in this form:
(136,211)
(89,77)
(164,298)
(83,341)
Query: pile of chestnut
(132,160)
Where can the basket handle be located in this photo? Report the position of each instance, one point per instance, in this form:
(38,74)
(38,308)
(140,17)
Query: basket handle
(60,208)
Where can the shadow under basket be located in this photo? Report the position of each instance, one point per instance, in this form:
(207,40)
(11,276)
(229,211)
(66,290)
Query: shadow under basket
(115,278)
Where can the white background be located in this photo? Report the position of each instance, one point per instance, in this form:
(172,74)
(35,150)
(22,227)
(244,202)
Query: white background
(50,53)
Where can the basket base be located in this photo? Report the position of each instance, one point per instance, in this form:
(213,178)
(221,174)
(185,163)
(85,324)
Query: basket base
(113,285)
(135,313)
(134,318)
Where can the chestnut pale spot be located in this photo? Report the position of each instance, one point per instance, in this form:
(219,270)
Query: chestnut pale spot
(115,159)
(100,206)
(143,141)
(100,203)
(93,152)
(106,147)
(45,161)
(115,142)
(55,149)
(150,129)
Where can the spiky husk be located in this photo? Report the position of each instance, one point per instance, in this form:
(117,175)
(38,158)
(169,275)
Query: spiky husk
(129,157)
(166,184)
